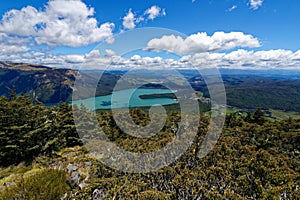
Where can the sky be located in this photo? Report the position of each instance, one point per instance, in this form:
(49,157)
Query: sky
(242,34)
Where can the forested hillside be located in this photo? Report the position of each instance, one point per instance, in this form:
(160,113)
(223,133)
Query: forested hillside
(42,157)
(263,92)
(279,92)
(43,84)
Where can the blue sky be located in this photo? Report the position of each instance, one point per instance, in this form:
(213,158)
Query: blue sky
(272,24)
(276,22)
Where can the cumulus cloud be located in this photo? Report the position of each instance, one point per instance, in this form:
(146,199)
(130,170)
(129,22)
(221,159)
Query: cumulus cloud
(238,59)
(255,4)
(155,12)
(12,45)
(243,59)
(129,20)
(60,23)
(296,56)
(11,49)
(74,58)
(109,52)
(201,42)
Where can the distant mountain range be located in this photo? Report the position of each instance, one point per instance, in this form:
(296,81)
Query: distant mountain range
(274,73)
(246,89)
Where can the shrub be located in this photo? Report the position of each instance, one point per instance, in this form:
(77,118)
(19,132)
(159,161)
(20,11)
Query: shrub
(46,184)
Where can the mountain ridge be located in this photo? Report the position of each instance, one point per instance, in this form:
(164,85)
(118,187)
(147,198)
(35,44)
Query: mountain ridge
(42,83)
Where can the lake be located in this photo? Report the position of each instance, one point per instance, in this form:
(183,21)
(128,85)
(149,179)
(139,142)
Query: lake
(127,99)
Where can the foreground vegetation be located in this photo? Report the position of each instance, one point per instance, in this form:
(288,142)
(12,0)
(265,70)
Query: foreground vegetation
(42,157)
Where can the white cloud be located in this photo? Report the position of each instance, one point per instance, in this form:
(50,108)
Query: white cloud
(296,56)
(93,54)
(255,4)
(155,12)
(109,52)
(129,20)
(12,45)
(243,59)
(139,19)
(60,23)
(238,59)
(11,49)
(232,8)
(201,42)
(74,58)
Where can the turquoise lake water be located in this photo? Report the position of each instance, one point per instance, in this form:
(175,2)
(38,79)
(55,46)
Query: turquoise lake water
(127,99)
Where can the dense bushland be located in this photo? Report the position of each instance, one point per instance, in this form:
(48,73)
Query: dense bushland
(255,158)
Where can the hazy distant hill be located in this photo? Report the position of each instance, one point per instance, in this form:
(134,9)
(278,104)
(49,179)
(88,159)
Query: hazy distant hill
(248,90)
(44,84)
(245,88)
